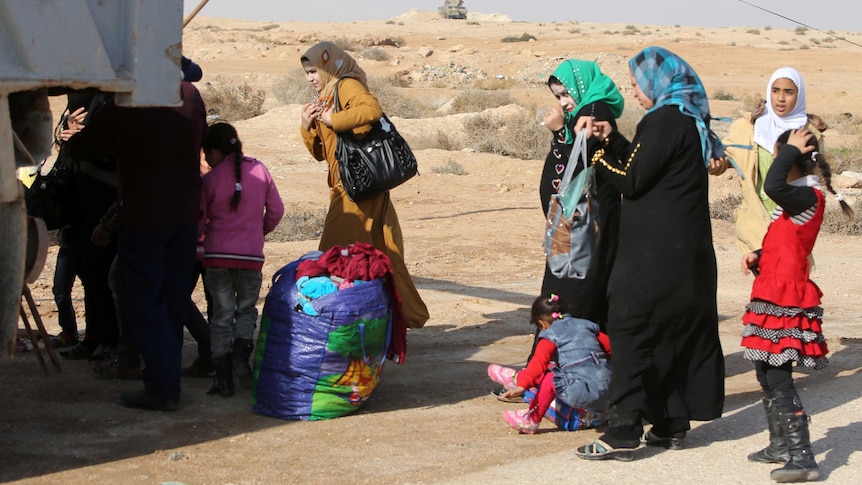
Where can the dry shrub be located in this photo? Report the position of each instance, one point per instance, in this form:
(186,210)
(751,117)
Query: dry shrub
(298,225)
(494,84)
(374,54)
(725,209)
(451,167)
(474,100)
(346,44)
(394,103)
(396,80)
(525,37)
(232,102)
(439,140)
(447,142)
(516,135)
(293,88)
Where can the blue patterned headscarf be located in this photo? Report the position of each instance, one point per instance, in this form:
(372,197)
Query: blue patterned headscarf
(667,79)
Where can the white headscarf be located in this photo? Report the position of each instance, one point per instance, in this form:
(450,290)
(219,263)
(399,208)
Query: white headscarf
(770,126)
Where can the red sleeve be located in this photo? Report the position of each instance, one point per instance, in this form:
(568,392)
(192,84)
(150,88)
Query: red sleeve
(605,342)
(538,365)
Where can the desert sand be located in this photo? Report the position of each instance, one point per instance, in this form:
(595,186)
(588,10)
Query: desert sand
(473,245)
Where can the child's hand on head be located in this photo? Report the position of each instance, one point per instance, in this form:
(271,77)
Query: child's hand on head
(799,139)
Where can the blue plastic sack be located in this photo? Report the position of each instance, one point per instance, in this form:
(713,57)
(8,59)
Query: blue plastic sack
(319,367)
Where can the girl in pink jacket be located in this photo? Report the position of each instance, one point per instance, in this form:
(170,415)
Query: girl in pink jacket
(240,205)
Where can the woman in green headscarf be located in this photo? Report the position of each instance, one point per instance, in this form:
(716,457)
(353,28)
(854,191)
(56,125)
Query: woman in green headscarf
(582,89)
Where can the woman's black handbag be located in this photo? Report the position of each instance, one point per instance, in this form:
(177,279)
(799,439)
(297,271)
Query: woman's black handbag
(379,162)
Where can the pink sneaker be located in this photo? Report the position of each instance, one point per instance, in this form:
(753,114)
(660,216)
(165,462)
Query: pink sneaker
(521,421)
(505,376)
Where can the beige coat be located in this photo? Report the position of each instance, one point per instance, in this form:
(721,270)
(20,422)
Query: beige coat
(752,218)
(371,220)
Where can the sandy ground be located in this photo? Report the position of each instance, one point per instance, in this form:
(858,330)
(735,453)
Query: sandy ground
(473,245)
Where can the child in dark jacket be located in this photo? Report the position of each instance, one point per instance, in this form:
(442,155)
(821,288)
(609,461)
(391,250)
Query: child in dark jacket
(578,376)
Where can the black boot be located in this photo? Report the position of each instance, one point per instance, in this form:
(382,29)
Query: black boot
(776,452)
(242,349)
(801,467)
(223,380)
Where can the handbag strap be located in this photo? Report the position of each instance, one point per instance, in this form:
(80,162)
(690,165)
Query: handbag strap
(336,107)
(579,151)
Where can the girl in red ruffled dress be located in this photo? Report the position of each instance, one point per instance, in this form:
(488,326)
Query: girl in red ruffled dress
(783,320)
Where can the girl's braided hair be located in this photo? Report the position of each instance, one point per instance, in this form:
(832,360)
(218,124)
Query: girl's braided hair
(223,137)
(808,162)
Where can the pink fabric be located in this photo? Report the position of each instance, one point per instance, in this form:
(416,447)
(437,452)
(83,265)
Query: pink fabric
(234,239)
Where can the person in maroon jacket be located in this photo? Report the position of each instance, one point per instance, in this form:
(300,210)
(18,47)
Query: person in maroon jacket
(157,151)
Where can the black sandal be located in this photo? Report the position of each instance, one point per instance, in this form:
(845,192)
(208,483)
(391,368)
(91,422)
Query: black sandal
(674,442)
(83,351)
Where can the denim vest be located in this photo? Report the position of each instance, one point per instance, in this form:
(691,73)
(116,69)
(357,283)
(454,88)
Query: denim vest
(582,374)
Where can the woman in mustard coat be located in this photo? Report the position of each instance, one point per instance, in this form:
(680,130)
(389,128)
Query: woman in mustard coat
(373,219)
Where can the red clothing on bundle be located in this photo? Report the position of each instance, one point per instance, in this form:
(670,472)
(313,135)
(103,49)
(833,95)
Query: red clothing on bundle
(361,261)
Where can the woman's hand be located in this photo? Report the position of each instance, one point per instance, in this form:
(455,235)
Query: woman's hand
(749,261)
(799,139)
(308,115)
(74,124)
(598,129)
(325,116)
(554,120)
(513,393)
(717,166)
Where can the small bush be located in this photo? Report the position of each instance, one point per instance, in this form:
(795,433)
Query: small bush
(345,43)
(447,142)
(574,31)
(298,225)
(393,102)
(494,84)
(801,30)
(804,47)
(783,42)
(767,28)
(725,209)
(753,31)
(451,167)
(374,54)
(397,81)
(722,95)
(472,22)
(473,100)
(518,135)
(232,102)
(293,88)
(390,22)
(525,37)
